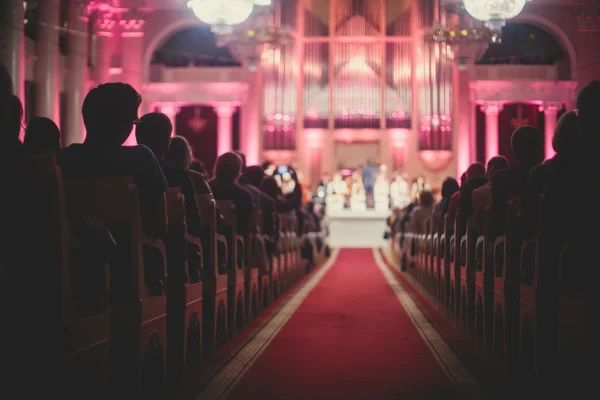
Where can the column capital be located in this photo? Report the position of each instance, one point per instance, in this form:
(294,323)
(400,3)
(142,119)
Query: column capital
(104,22)
(224,111)
(132,23)
(551,106)
(169,108)
(491,107)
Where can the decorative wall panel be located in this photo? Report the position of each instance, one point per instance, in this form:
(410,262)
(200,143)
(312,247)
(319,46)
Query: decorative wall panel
(398,90)
(357,85)
(316,18)
(358,18)
(398,17)
(279,98)
(434,80)
(316,93)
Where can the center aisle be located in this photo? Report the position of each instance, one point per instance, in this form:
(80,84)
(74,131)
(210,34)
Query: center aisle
(349,339)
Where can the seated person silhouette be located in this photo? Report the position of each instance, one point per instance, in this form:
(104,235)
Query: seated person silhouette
(109,113)
(180,155)
(154,131)
(42,136)
(225,186)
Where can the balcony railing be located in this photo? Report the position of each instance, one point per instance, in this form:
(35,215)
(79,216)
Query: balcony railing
(514,73)
(160,73)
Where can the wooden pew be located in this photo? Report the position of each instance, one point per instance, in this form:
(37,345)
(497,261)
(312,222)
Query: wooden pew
(578,305)
(445,264)
(506,291)
(48,261)
(235,273)
(264,273)
(251,274)
(454,273)
(484,287)
(283,257)
(214,279)
(184,298)
(139,315)
(435,265)
(467,280)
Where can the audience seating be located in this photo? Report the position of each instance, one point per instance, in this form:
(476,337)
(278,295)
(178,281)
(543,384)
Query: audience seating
(157,307)
(138,302)
(523,302)
(484,289)
(235,269)
(214,284)
(184,299)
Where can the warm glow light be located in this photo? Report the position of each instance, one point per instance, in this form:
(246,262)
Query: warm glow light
(494,12)
(222,12)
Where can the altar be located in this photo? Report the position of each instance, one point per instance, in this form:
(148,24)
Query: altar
(356,226)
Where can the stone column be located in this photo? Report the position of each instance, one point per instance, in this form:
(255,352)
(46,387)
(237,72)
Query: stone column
(132,42)
(550,111)
(462,117)
(250,140)
(76,78)
(104,23)
(491,110)
(171,110)
(12,44)
(224,128)
(48,71)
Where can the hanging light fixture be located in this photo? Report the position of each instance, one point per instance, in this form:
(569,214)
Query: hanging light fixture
(466,39)
(260,32)
(494,12)
(222,15)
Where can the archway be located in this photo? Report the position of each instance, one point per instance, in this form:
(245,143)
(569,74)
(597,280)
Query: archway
(558,33)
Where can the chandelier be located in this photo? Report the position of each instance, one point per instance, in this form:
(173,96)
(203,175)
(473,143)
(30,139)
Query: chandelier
(494,12)
(466,39)
(222,15)
(244,26)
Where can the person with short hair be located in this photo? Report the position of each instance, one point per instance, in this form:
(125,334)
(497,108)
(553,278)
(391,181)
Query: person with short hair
(449,187)
(154,131)
(225,186)
(482,197)
(422,212)
(180,155)
(253,177)
(476,178)
(11,147)
(42,136)
(110,112)
(528,147)
(560,169)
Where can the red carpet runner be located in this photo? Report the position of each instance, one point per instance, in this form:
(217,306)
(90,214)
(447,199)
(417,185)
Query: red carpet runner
(349,339)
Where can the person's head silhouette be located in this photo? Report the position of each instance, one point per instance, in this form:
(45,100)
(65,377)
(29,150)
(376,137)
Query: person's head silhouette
(496,164)
(42,136)
(109,113)
(6,91)
(528,145)
(567,137)
(154,131)
(255,175)
(476,170)
(228,167)
(180,153)
(588,105)
(14,121)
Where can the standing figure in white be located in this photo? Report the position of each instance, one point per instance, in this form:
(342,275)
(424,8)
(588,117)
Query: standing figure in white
(400,191)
